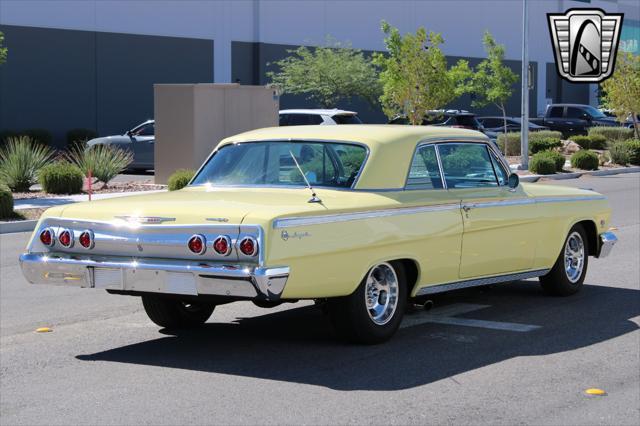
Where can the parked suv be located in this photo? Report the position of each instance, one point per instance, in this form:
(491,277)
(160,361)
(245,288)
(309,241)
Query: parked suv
(496,124)
(139,141)
(301,117)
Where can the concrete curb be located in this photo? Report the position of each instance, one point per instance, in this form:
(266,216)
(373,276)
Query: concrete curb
(535,178)
(17,226)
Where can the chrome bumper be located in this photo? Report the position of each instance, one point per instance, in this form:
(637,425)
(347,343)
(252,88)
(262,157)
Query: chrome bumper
(180,277)
(607,241)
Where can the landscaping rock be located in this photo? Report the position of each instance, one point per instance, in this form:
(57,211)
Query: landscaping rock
(569,147)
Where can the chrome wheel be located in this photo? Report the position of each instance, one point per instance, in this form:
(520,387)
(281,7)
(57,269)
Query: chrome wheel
(381,293)
(574,257)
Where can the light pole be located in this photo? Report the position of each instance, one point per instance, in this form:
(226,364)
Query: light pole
(524,109)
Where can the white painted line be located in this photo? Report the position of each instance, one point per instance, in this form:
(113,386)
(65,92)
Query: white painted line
(446,315)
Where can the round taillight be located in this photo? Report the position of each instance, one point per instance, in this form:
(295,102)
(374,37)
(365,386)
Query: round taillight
(86,239)
(197,244)
(46,237)
(66,238)
(222,245)
(248,246)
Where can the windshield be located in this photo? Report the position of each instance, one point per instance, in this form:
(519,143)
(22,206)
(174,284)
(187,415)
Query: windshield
(270,163)
(594,112)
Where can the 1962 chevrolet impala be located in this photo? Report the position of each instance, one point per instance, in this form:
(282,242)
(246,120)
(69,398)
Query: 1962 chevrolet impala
(365,218)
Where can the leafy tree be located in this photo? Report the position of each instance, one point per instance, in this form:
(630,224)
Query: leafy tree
(414,76)
(492,81)
(622,89)
(3,50)
(327,74)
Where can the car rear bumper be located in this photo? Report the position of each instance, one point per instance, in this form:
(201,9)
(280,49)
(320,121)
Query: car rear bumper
(179,277)
(607,241)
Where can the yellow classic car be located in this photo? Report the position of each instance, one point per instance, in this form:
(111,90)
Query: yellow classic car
(365,218)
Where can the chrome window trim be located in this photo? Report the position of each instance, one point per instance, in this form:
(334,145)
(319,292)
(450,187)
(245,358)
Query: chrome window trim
(353,184)
(476,282)
(346,217)
(418,187)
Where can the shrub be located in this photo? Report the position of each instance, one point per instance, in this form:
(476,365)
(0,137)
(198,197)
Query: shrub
(545,144)
(598,142)
(612,134)
(40,136)
(542,164)
(61,178)
(20,161)
(513,143)
(557,158)
(104,161)
(80,137)
(180,178)
(583,141)
(6,203)
(585,160)
(543,134)
(633,146)
(620,154)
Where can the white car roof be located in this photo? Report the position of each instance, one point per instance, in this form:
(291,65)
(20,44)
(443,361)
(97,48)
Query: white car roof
(330,112)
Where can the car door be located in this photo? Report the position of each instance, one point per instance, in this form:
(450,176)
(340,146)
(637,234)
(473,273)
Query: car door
(499,224)
(555,118)
(143,141)
(576,121)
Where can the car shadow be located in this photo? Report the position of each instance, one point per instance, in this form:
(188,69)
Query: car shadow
(298,345)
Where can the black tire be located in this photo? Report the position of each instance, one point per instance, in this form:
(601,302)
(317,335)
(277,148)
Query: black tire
(171,313)
(350,315)
(559,281)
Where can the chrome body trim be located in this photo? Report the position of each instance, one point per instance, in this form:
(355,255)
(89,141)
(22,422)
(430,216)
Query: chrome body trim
(440,288)
(607,241)
(167,276)
(345,217)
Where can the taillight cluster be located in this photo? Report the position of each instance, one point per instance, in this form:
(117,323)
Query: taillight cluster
(66,238)
(222,245)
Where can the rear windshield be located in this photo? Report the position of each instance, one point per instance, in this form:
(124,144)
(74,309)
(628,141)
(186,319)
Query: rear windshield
(271,163)
(346,119)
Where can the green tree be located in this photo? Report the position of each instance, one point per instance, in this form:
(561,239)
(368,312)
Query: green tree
(492,81)
(3,50)
(414,76)
(622,89)
(327,74)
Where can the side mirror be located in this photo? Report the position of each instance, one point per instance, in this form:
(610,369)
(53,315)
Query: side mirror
(514,181)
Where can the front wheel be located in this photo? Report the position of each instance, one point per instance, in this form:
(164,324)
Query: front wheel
(372,313)
(175,314)
(568,273)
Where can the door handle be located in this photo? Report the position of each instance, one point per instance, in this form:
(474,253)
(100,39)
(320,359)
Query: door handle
(466,208)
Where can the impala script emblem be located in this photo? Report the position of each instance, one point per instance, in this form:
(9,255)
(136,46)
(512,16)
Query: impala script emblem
(585,43)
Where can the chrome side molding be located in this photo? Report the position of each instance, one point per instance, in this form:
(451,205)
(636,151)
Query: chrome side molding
(441,288)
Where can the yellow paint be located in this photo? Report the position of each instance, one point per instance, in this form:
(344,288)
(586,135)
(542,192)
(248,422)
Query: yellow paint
(43,330)
(334,257)
(595,391)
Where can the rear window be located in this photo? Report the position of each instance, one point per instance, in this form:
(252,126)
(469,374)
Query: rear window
(301,119)
(347,119)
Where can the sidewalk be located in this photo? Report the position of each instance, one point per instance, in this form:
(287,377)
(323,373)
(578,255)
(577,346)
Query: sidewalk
(572,175)
(36,203)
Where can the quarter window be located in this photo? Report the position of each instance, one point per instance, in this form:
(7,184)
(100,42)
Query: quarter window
(466,165)
(424,172)
(501,173)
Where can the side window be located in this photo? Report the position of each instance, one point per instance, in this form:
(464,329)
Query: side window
(556,112)
(501,173)
(284,120)
(424,172)
(146,130)
(575,112)
(466,165)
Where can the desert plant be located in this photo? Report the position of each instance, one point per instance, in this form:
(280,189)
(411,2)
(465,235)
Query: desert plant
(612,134)
(103,161)
(80,136)
(633,147)
(512,139)
(598,142)
(585,160)
(545,144)
(6,202)
(542,164)
(619,154)
(20,161)
(583,141)
(180,178)
(61,178)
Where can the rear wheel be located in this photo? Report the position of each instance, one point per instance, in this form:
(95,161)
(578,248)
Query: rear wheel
(568,273)
(372,313)
(170,313)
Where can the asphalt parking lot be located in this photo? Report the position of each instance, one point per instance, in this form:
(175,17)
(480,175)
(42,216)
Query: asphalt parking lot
(503,355)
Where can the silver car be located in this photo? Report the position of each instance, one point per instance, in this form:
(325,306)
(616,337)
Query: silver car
(139,141)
